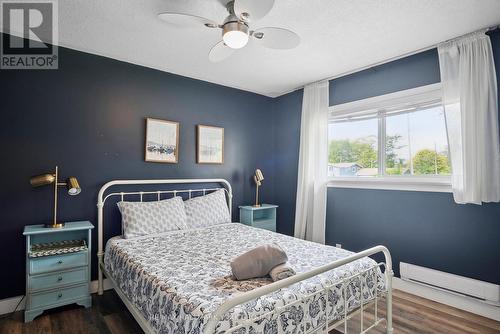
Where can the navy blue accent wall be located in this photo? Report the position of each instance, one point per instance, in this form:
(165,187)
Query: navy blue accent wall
(406,73)
(88,117)
(423,228)
(286,118)
(428,229)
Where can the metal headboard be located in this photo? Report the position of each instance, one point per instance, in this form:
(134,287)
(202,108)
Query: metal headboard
(101,200)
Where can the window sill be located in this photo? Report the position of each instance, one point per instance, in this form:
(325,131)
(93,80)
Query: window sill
(428,184)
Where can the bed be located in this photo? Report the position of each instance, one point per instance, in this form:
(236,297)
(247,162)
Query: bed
(180,281)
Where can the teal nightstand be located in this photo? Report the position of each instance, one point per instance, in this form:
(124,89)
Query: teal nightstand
(263,216)
(57,267)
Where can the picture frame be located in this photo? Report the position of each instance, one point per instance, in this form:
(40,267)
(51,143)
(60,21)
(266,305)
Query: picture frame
(209,144)
(162,141)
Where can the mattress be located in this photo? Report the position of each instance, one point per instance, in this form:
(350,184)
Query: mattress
(178,279)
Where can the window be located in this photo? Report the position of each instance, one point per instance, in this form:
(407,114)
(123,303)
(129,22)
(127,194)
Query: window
(353,147)
(416,143)
(394,138)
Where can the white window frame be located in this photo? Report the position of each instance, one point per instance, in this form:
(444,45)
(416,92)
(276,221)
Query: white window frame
(409,97)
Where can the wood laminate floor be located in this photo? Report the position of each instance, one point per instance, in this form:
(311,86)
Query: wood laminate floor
(412,314)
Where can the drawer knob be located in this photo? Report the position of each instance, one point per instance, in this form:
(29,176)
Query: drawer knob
(59,279)
(59,295)
(60,261)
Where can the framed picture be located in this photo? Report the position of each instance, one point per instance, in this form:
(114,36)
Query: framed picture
(162,141)
(210,145)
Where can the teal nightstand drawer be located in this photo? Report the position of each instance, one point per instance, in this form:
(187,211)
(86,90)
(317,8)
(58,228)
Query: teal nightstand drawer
(57,262)
(266,224)
(59,296)
(55,280)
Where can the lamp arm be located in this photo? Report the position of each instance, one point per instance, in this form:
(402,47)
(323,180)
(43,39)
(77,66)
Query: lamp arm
(257,195)
(56,183)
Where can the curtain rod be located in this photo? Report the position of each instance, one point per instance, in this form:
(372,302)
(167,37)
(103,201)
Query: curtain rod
(388,60)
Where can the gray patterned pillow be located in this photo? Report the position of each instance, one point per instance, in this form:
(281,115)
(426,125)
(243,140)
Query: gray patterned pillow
(143,218)
(207,210)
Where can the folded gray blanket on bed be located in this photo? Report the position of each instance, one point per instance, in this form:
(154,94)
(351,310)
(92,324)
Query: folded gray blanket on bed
(258,262)
(281,271)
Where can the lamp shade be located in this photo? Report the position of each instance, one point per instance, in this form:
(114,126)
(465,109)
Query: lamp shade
(258,175)
(42,180)
(257,182)
(73,186)
(235,34)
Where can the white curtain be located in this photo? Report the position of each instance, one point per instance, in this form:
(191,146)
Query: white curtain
(471,112)
(310,212)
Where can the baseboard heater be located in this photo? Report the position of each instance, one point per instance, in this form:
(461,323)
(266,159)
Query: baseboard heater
(459,285)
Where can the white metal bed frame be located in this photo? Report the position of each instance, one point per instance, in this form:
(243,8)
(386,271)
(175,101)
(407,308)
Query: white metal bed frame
(258,292)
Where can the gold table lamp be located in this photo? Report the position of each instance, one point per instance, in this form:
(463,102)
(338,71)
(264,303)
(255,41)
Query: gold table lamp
(258,178)
(52,178)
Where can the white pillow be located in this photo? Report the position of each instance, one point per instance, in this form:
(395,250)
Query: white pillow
(207,210)
(143,218)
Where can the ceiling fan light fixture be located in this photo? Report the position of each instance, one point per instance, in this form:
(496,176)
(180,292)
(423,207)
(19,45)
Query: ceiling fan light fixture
(235,35)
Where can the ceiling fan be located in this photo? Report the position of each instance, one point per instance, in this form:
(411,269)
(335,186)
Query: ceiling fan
(236,31)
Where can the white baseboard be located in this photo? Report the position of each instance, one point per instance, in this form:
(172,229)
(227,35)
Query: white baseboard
(468,304)
(8,305)
(106,284)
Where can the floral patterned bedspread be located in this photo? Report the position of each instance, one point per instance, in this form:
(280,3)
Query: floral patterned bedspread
(177,279)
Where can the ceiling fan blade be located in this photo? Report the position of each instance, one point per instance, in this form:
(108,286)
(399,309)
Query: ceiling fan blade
(251,10)
(276,38)
(187,20)
(219,52)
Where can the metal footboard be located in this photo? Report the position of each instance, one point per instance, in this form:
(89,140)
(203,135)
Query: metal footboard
(210,328)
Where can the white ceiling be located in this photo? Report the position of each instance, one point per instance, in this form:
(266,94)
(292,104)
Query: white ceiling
(337,36)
